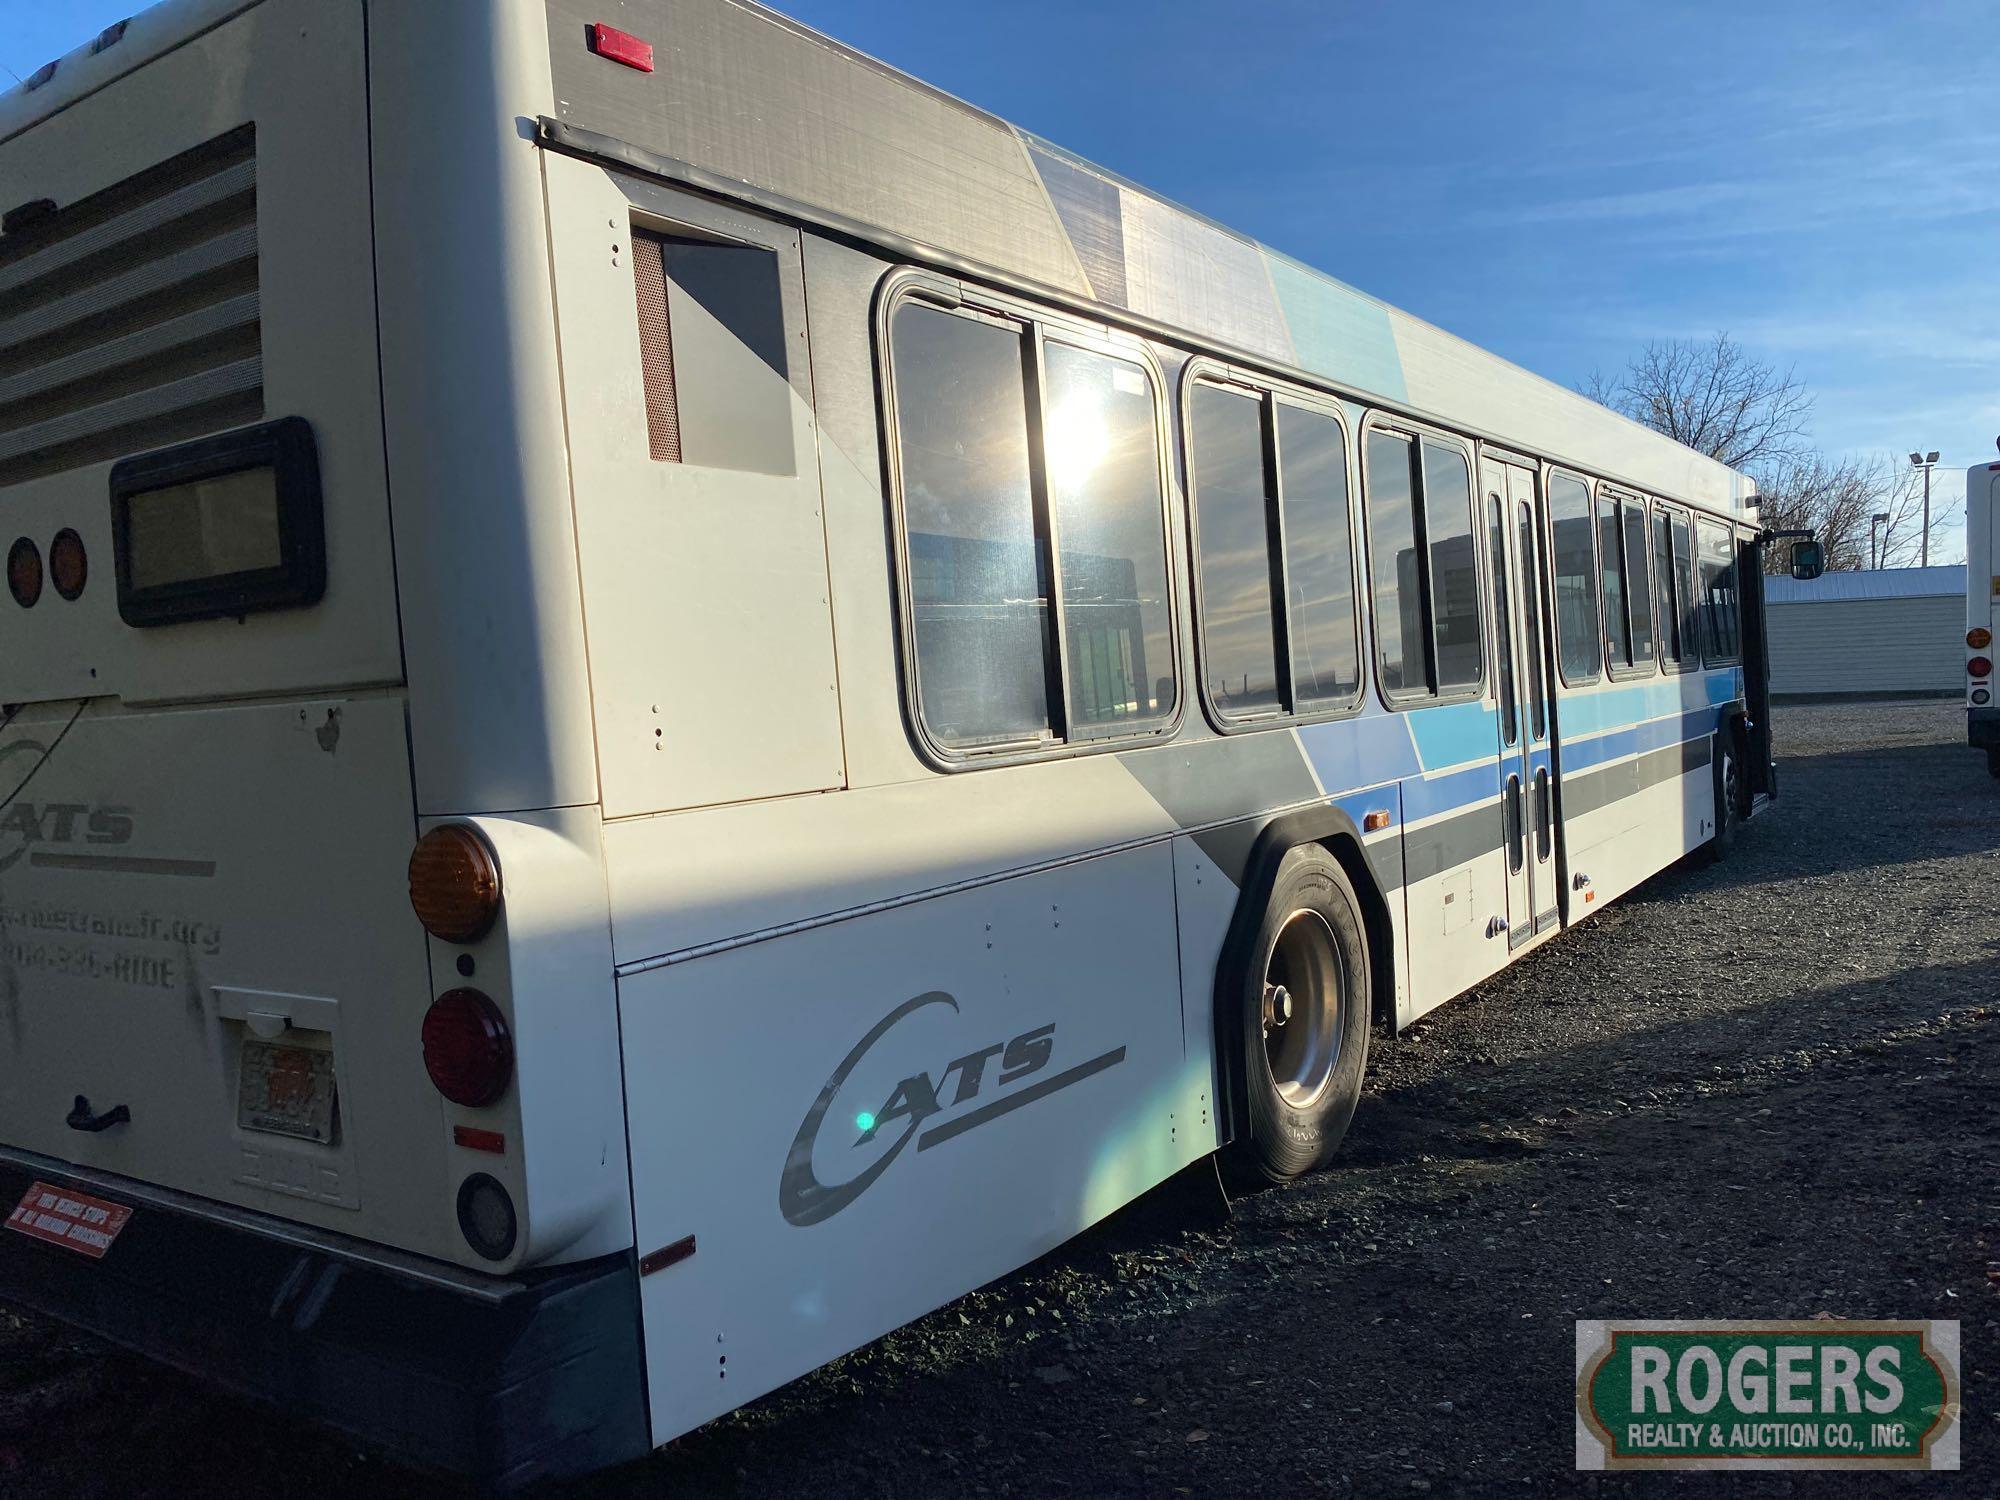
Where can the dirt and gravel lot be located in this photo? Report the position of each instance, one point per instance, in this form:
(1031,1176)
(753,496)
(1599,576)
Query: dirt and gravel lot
(1765,1089)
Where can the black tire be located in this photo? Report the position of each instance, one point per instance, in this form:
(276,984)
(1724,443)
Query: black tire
(1301,1098)
(1993,760)
(1729,796)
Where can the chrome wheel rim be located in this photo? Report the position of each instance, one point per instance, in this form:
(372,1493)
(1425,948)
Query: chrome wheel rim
(1305,988)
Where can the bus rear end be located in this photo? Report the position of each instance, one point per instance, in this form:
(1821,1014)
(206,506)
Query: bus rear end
(1982,608)
(219,1139)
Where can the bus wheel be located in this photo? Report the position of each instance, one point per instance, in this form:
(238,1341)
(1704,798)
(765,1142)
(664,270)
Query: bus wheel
(1303,1005)
(1728,794)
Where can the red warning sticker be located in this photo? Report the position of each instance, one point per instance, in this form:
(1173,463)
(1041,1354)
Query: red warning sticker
(65,1217)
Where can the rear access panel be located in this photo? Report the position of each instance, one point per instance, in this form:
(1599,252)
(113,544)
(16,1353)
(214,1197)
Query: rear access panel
(204,920)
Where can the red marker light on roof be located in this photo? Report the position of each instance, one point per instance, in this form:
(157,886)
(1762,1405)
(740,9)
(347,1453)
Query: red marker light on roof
(620,47)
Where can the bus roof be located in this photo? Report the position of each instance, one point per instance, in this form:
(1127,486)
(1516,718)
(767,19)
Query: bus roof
(744,93)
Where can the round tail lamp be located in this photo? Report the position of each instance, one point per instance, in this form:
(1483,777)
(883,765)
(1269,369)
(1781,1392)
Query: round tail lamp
(24,572)
(1980,666)
(454,883)
(1979,638)
(467,1049)
(69,566)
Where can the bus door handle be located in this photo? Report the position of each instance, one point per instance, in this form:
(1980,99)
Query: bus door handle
(83,1117)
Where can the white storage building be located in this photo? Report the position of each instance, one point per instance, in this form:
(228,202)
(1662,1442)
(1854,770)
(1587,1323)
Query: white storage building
(1866,634)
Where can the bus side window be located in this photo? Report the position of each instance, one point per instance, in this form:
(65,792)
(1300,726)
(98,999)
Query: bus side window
(1236,551)
(1454,566)
(1397,584)
(979,595)
(1024,458)
(1639,597)
(1718,587)
(1101,440)
(1424,566)
(1664,588)
(1579,652)
(1312,485)
(1690,595)
(1611,577)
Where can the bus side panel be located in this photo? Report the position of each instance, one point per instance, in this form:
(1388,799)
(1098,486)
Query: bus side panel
(1637,793)
(837,1131)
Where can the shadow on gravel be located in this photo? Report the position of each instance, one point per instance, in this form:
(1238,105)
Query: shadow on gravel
(1804,1035)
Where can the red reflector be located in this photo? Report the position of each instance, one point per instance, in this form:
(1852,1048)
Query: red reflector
(1980,666)
(620,47)
(467,1050)
(479,1140)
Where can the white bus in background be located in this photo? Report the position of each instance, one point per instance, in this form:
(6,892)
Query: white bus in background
(1982,608)
(930,689)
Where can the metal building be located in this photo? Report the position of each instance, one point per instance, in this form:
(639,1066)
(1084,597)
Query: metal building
(1866,634)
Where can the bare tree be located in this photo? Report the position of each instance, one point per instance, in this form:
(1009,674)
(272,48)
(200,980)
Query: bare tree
(1832,498)
(1902,498)
(1714,396)
(1837,499)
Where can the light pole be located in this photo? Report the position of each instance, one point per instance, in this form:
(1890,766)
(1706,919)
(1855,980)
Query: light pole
(1926,462)
(1875,523)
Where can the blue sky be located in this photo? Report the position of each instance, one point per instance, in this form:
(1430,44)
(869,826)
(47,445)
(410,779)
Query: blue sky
(1557,182)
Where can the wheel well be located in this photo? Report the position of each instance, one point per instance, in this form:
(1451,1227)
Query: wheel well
(1334,832)
(1375,919)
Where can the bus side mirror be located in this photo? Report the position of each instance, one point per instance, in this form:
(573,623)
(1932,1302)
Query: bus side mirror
(1808,559)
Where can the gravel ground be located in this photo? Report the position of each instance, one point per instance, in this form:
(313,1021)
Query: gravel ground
(1769,1088)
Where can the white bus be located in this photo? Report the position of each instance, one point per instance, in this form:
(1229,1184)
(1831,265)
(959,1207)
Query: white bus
(1982,608)
(929,689)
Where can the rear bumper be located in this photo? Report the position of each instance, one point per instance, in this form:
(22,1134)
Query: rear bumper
(1982,727)
(503,1380)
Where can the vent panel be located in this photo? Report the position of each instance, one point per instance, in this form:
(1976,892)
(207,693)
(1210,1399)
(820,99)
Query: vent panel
(130,319)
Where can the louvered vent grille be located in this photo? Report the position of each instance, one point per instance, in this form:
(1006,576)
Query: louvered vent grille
(129,319)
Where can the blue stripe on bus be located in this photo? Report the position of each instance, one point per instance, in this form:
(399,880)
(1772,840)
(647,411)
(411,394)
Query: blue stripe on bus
(1454,733)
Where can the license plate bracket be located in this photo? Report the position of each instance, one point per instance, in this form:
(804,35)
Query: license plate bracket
(286,1090)
(63,1216)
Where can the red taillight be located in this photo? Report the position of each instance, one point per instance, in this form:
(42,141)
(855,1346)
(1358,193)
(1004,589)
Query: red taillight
(69,564)
(24,572)
(1980,666)
(621,47)
(467,1050)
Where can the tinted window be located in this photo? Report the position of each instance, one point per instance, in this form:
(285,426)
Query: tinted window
(1531,623)
(1718,588)
(1392,555)
(1663,589)
(1102,448)
(1578,650)
(1611,575)
(1638,581)
(1233,516)
(1319,563)
(1454,565)
(1503,655)
(1690,596)
(980,606)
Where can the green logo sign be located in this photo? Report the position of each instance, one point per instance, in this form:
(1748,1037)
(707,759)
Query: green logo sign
(1786,1395)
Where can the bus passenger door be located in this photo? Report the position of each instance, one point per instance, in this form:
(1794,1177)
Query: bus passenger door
(1526,769)
(1531,629)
